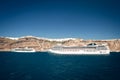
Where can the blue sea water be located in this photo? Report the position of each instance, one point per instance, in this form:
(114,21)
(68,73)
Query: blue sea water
(48,66)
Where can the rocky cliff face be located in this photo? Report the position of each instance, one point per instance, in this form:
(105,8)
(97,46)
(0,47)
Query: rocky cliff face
(41,44)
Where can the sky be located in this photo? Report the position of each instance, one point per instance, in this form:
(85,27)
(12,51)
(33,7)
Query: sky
(87,19)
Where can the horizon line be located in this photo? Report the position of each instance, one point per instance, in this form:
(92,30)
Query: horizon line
(56,38)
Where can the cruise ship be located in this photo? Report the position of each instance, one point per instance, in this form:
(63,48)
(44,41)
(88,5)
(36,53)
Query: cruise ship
(26,49)
(88,49)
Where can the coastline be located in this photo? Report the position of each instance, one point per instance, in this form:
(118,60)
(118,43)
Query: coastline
(44,44)
(43,51)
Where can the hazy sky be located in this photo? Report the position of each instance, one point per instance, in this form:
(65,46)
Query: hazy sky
(88,19)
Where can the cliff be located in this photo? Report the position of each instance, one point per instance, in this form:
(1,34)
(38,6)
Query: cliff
(41,44)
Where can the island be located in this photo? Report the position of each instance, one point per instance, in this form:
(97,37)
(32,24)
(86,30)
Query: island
(43,44)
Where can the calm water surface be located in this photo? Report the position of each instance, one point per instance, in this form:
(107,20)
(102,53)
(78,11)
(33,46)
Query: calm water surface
(47,66)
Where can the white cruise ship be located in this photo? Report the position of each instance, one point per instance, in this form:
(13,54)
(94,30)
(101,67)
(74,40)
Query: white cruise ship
(26,49)
(89,49)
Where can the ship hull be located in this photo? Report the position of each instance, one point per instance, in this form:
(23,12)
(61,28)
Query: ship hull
(80,52)
(23,51)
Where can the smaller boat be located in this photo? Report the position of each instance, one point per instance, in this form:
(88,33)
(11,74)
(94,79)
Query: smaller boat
(26,49)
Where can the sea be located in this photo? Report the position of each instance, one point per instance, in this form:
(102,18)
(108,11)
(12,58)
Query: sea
(49,66)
